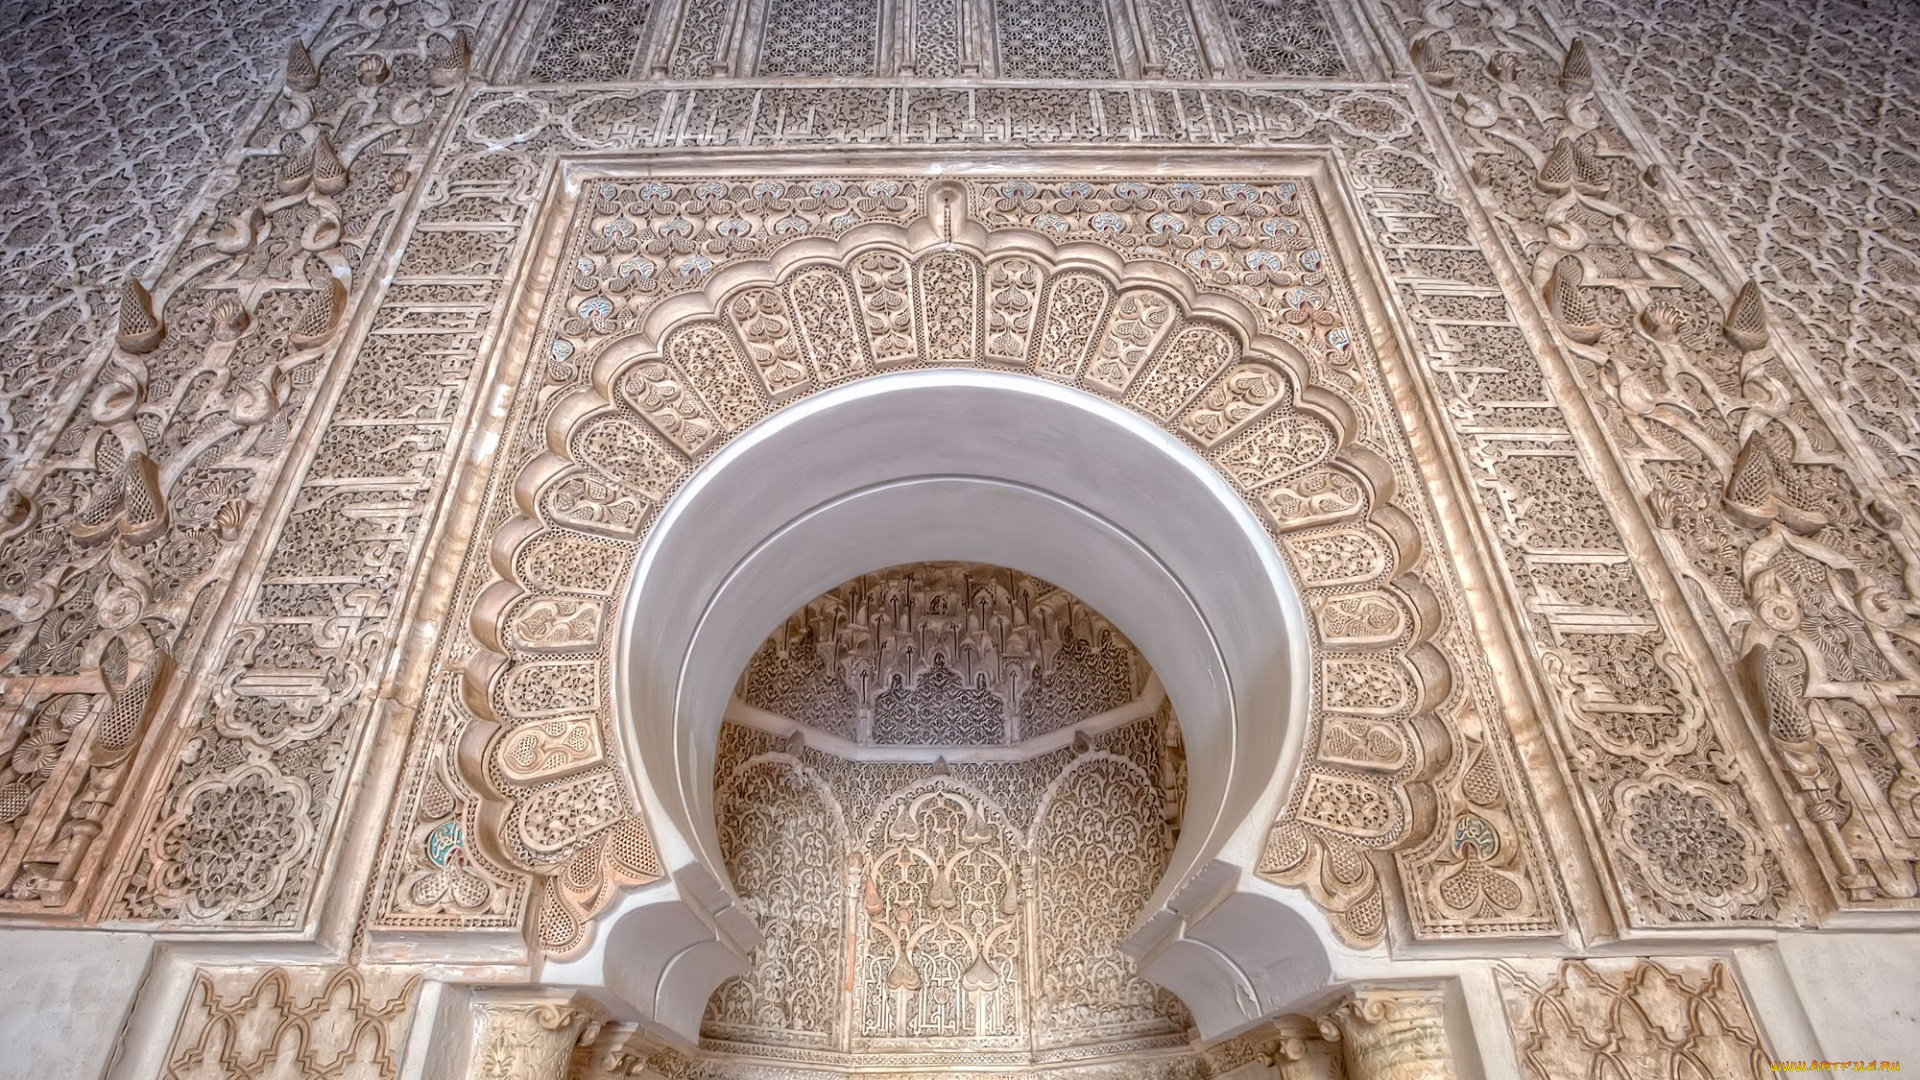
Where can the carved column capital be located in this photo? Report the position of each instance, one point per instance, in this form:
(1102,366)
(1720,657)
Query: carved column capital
(528,1034)
(621,1051)
(1307,1050)
(1394,1033)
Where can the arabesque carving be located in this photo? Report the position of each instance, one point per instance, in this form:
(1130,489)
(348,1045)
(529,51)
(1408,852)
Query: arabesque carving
(1782,539)
(1074,40)
(1274,411)
(966,910)
(233,442)
(1792,124)
(944,654)
(125,533)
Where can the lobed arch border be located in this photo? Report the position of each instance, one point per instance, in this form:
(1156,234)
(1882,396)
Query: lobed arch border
(583,891)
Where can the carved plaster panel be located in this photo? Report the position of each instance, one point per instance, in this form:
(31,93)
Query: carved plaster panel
(1598,655)
(1781,536)
(1795,127)
(100,163)
(1631,1018)
(125,533)
(1063,41)
(314,1022)
(979,904)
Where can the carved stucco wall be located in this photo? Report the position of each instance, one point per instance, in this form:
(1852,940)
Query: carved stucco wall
(146,501)
(600,41)
(1283,397)
(1692,503)
(100,165)
(1795,125)
(985,896)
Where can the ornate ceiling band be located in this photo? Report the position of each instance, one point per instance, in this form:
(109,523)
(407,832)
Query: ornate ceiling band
(1081,40)
(1277,415)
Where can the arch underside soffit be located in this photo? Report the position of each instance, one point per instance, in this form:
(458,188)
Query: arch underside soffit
(1216,309)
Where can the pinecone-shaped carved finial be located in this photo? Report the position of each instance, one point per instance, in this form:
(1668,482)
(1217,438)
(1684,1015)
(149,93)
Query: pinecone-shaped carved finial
(1429,56)
(1760,490)
(451,61)
(302,73)
(296,168)
(1557,172)
(329,172)
(1746,325)
(321,316)
(1568,166)
(1571,307)
(1576,71)
(143,509)
(140,328)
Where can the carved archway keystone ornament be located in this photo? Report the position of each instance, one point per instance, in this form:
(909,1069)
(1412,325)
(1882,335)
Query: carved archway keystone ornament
(940,389)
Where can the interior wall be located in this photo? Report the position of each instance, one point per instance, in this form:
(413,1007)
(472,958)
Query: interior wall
(291,296)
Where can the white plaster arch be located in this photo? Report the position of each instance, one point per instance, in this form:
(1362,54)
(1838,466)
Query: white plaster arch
(988,467)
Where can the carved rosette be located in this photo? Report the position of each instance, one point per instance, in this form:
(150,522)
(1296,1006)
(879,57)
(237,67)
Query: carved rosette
(1142,333)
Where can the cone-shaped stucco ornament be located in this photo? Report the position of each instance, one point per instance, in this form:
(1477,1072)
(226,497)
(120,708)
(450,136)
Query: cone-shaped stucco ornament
(1746,325)
(140,330)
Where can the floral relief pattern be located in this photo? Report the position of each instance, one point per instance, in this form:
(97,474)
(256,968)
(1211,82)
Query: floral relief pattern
(1798,571)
